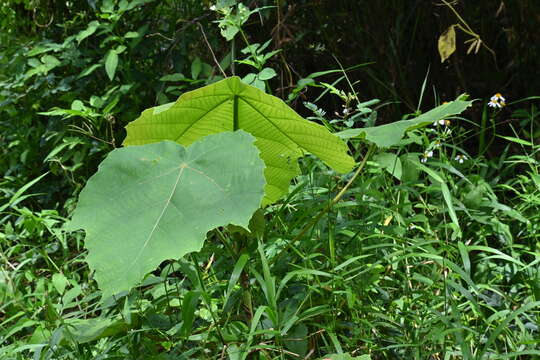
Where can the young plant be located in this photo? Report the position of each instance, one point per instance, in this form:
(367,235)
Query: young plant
(157,201)
(233,16)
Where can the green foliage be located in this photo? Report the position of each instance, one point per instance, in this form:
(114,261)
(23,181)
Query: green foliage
(81,73)
(282,135)
(390,134)
(346,357)
(429,250)
(157,201)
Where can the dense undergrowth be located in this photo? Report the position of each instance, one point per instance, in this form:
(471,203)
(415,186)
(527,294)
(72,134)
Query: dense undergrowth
(432,253)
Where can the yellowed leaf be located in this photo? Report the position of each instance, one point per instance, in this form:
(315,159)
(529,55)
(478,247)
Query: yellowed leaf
(447,43)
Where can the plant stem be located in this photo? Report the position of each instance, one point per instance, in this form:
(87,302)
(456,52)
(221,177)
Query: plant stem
(233,57)
(334,201)
(206,297)
(235,113)
(211,51)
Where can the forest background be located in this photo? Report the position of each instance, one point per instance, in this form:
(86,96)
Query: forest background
(383,275)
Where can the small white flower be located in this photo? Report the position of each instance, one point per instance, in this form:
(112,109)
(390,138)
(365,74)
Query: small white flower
(497,101)
(498,97)
(460,158)
(437,144)
(426,155)
(442,122)
(213,7)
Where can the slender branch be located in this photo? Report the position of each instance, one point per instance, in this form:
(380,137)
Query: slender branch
(458,16)
(208,304)
(334,201)
(338,197)
(211,51)
(470,31)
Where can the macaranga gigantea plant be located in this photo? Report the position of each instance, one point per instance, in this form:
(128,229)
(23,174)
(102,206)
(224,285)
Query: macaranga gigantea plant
(210,159)
(233,149)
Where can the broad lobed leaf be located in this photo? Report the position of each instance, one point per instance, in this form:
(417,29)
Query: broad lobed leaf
(150,203)
(282,135)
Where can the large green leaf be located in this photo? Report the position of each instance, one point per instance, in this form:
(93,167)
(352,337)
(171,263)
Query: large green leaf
(155,202)
(282,135)
(390,134)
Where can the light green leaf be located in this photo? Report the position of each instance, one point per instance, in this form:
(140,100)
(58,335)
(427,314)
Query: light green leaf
(516,140)
(249,78)
(88,70)
(59,282)
(40,49)
(120,49)
(267,74)
(132,35)
(259,84)
(282,135)
(390,134)
(111,62)
(189,305)
(50,61)
(150,203)
(33,62)
(78,105)
(91,28)
(228,32)
(390,162)
(107,6)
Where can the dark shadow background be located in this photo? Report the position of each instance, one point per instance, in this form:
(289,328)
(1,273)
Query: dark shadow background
(400,37)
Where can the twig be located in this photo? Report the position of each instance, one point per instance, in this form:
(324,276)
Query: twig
(160,35)
(182,29)
(211,51)
(334,201)
(38,24)
(338,197)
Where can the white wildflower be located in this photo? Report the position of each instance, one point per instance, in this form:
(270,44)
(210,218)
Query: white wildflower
(460,158)
(442,122)
(497,101)
(426,155)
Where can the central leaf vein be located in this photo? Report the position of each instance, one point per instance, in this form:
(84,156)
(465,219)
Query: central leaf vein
(210,109)
(156,223)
